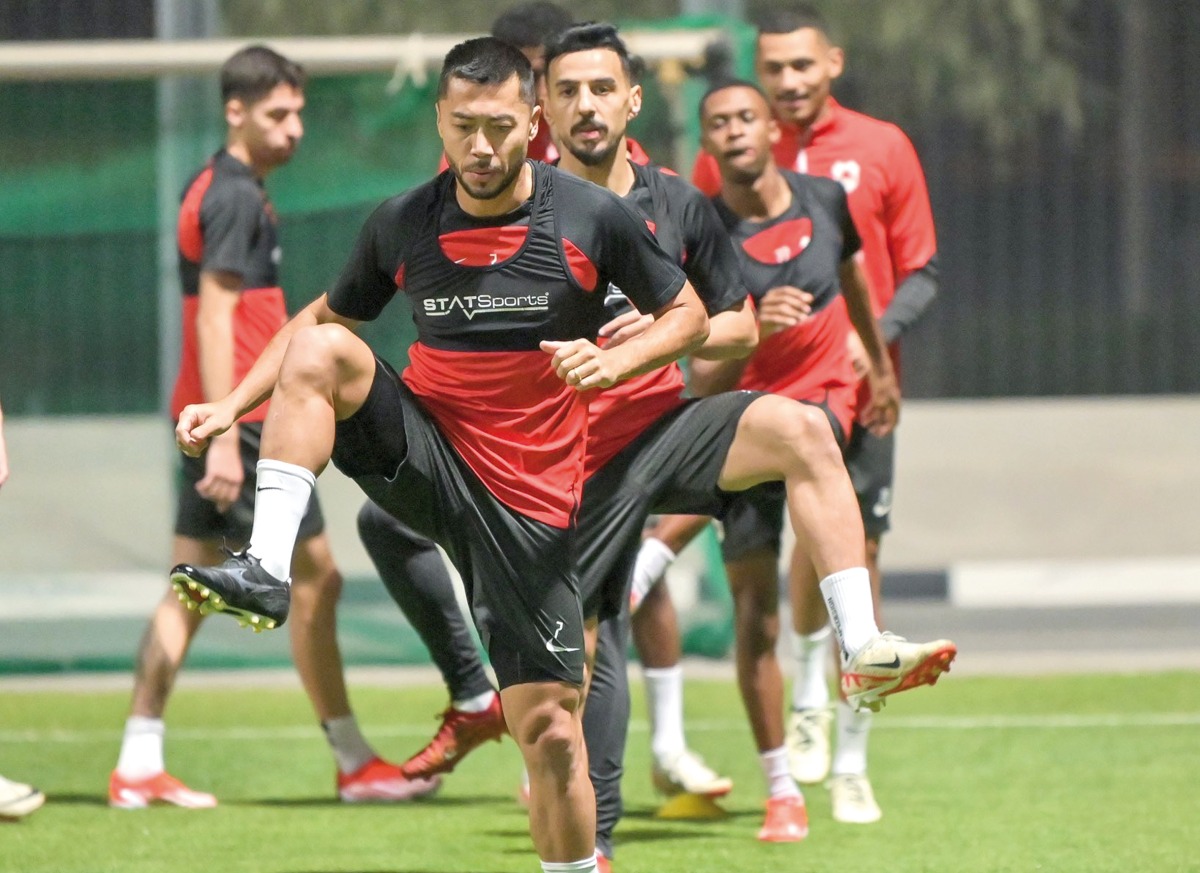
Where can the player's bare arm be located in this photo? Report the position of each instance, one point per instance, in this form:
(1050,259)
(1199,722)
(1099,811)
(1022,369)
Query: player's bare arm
(199,423)
(219,295)
(679,327)
(884,412)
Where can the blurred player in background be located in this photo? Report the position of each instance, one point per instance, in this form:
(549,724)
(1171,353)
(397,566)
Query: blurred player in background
(228,260)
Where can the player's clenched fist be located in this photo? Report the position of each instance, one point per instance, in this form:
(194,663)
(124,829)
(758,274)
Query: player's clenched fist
(580,363)
(782,307)
(198,423)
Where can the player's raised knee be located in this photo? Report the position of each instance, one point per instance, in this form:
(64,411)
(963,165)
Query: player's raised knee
(798,427)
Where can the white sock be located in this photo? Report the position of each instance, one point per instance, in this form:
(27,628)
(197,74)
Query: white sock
(587,865)
(281,498)
(664,701)
(853,731)
(779,778)
(478,703)
(141,748)
(851,610)
(350,748)
(810,685)
(652,561)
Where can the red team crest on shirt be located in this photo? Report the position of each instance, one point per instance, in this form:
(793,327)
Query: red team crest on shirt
(847,173)
(781,242)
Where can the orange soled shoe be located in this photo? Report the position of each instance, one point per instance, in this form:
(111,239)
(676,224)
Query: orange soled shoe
(160,788)
(786,821)
(460,732)
(377,781)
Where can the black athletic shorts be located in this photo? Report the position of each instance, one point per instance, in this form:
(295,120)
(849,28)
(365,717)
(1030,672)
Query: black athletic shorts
(754,520)
(871,461)
(518,572)
(198,518)
(672,467)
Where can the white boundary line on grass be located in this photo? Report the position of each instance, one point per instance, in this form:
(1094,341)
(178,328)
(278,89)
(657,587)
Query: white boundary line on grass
(988,722)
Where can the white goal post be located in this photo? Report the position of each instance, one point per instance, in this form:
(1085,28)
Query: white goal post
(414,54)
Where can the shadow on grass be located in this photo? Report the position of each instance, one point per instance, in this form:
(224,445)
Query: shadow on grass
(333,802)
(650,815)
(77,799)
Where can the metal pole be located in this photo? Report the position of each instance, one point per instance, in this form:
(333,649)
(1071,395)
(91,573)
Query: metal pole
(1136,138)
(732,8)
(188,108)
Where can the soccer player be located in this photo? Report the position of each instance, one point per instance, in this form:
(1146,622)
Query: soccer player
(664,454)
(592,95)
(228,261)
(796,63)
(480,445)
(793,232)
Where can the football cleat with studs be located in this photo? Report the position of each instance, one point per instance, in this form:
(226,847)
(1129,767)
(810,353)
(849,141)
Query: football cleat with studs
(240,587)
(889,664)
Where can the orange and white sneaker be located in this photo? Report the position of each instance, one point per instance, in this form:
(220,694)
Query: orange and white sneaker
(890,664)
(459,733)
(603,864)
(160,788)
(786,821)
(377,781)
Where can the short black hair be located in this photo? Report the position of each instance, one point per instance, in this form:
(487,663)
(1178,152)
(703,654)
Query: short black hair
(732,83)
(531,24)
(252,73)
(790,18)
(590,35)
(487,60)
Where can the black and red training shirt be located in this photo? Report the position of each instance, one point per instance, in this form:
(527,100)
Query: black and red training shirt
(484,292)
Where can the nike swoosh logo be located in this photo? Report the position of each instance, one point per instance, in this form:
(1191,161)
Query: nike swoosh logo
(550,647)
(891,665)
(268,488)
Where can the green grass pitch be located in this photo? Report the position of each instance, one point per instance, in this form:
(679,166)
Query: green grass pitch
(1062,774)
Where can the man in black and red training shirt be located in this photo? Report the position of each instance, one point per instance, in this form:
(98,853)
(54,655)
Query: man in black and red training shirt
(232,305)
(797,244)
(480,445)
(797,62)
